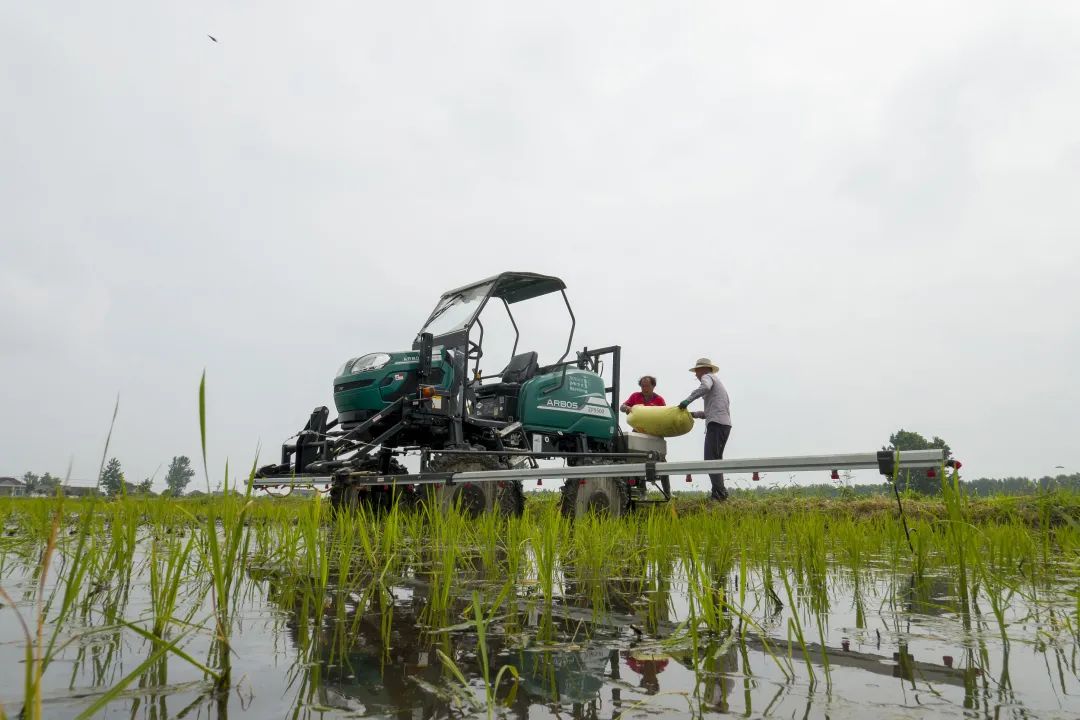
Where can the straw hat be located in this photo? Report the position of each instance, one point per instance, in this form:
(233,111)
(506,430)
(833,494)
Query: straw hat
(705,363)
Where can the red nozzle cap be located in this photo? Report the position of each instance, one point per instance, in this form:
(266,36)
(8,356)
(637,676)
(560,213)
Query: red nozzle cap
(931,472)
(835,475)
(756,477)
(581,481)
(631,481)
(689,478)
(539,482)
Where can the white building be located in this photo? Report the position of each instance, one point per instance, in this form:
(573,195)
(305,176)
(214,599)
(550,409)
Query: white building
(11,487)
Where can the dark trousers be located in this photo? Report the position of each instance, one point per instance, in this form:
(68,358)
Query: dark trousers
(716,436)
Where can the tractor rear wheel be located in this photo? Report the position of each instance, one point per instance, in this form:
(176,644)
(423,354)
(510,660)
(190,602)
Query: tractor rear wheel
(603,496)
(506,498)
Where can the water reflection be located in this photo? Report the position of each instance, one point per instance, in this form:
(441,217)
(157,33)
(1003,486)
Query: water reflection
(377,651)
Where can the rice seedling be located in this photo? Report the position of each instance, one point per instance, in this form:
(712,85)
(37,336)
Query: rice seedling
(491,687)
(546,540)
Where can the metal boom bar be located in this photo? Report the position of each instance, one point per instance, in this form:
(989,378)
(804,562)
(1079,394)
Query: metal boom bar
(885,462)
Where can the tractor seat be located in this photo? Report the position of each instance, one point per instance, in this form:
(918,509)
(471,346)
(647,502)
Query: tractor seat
(520,368)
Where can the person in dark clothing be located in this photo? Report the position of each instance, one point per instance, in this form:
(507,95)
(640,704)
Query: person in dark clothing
(717,417)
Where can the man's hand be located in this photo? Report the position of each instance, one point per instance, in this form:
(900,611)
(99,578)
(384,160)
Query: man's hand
(625,408)
(683,404)
(699,414)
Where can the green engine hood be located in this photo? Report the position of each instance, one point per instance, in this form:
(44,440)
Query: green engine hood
(371,382)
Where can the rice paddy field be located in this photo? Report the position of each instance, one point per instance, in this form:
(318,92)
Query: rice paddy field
(782,607)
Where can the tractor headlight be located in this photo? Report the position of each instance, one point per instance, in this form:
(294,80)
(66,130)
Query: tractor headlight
(373,361)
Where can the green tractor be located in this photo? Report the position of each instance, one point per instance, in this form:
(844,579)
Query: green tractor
(433,401)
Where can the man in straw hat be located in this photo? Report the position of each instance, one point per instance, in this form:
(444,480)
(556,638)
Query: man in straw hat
(717,417)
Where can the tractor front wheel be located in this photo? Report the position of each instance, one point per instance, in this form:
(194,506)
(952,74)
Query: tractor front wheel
(346,496)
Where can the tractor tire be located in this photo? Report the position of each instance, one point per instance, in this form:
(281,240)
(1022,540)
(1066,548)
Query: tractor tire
(336,496)
(476,498)
(345,497)
(511,499)
(606,496)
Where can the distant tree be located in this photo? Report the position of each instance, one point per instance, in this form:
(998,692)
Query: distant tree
(112,478)
(31,481)
(48,484)
(146,487)
(1023,485)
(919,479)
(179,475)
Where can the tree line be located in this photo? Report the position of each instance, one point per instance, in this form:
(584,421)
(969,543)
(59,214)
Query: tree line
(982,487)
(113,482)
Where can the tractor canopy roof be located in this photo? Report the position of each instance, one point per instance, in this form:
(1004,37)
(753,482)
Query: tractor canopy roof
(457,309)
(514,286)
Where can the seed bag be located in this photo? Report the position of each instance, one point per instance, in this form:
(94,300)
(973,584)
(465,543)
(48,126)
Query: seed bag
(661,421)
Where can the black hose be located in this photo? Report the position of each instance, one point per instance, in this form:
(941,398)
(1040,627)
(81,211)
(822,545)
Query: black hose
(903,518)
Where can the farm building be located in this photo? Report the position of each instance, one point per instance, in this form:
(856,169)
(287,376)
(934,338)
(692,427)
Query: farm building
(10,486)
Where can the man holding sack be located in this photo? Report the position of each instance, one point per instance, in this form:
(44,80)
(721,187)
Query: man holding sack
(717,417)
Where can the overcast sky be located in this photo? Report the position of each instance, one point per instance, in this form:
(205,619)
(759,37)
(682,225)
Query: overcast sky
(867,213)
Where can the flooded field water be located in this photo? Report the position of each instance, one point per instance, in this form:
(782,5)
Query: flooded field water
(288,612)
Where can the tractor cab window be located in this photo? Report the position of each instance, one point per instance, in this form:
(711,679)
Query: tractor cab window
(454,311)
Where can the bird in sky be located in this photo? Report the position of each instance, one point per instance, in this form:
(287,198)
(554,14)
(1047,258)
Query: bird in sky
(212,38)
